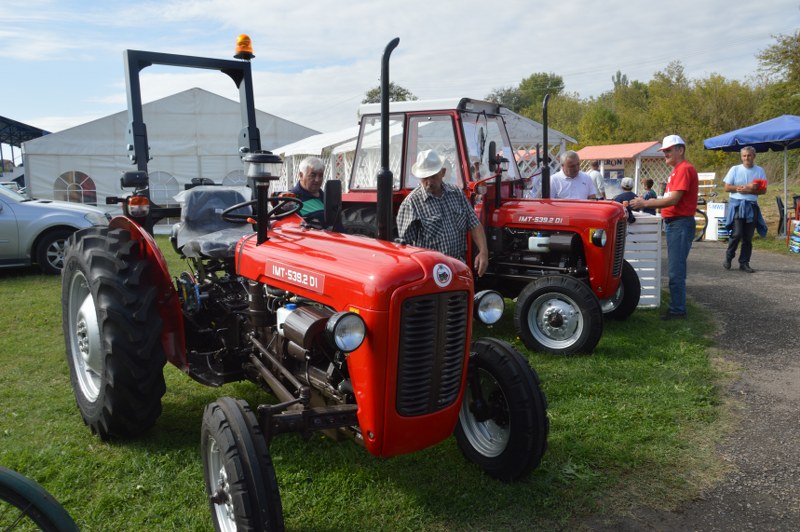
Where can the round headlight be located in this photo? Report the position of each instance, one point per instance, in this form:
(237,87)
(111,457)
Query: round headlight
(599,237)
(489,306)
(346,330)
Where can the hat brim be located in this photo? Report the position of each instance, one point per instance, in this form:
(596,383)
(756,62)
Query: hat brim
(425,173)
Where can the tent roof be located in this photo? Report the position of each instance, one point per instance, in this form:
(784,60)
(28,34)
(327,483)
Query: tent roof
(15,133)
(316,144)
(776,134)
(620,151)
(185,123)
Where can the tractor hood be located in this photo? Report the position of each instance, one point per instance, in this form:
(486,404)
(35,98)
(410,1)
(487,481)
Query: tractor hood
(342,270)
(557,214)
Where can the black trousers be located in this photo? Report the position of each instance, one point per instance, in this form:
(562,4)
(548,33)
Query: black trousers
(742,232)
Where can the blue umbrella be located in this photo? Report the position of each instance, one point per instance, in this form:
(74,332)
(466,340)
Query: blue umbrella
(778,134)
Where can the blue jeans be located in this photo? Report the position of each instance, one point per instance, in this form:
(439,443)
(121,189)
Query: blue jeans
(680,234)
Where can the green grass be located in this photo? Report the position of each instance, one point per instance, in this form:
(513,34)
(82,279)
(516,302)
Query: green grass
(634,424)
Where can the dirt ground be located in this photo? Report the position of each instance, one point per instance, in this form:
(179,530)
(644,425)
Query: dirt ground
(759,330)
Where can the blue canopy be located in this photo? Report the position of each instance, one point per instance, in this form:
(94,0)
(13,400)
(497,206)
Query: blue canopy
(778,134)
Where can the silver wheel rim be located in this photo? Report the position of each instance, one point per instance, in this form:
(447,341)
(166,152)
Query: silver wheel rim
(218,480)
(486,437)
(55,253)
(611,304)
(86,347)
(555,321)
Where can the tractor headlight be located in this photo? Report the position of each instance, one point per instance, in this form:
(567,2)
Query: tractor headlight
(599,237)
(346,330)
(488,306)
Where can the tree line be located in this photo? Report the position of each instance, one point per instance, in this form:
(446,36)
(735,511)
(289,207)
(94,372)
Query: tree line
(636,111)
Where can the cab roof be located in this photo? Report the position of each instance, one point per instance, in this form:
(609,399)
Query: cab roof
(444,104)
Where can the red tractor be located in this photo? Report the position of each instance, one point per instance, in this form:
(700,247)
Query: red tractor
(350,335)
(563,260)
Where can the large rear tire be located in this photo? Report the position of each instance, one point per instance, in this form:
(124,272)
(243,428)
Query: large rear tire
(240,479)
(558,314)
(112,330)
(503,425)
(626,299)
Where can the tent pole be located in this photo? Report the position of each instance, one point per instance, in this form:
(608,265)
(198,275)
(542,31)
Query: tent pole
(786,190)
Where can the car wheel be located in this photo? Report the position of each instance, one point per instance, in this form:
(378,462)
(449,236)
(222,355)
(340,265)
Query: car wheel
(503,425)
(112,329)
(50,250)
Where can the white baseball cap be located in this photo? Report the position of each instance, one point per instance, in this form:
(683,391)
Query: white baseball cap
(670,141)
(626,183)
(428,163)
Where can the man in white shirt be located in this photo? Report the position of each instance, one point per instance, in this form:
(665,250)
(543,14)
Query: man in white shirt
(597,178)
(570,182)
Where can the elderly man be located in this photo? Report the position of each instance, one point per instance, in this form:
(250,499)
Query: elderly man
(744,215)
(437,215)
(309,189)
(570,182)
(677,209)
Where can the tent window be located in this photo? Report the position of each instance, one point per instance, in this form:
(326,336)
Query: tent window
(75,187)
(163,188)
(234,178)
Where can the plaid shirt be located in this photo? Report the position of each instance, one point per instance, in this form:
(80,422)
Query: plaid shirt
(438,223)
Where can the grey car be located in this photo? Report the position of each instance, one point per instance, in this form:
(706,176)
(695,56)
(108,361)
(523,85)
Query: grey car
(37,230)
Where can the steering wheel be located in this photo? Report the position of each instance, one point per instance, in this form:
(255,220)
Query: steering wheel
(282,206)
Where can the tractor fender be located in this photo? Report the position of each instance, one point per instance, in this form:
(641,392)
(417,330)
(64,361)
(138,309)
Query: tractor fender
(169,305)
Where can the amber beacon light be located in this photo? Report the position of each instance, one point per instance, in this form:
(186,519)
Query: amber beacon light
(244,48)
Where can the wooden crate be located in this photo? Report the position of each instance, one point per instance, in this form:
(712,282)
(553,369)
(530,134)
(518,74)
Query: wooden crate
(643,252)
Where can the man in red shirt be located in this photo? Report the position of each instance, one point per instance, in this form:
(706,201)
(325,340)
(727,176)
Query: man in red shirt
(678,206)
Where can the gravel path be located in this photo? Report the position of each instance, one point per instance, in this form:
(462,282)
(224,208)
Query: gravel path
(759,318)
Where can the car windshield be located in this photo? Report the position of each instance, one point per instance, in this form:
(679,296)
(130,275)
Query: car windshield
(11,194)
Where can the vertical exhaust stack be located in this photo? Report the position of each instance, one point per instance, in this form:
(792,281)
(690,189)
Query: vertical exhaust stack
(546,155)
(385,177)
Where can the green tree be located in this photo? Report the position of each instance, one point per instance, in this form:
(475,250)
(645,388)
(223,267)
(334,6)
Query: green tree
(397,93)
(598,125)
(529,93)
(780,63)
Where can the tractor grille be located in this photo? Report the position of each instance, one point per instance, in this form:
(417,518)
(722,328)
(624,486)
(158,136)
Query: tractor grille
(619,247)
(433,336)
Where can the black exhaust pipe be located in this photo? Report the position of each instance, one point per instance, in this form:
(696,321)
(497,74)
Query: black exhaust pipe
(546,158)
(385,177)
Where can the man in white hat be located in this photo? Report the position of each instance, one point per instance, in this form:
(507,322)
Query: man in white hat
(678,205)
(437,215)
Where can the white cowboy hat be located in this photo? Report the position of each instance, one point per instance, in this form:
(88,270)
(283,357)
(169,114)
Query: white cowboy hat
(428,163)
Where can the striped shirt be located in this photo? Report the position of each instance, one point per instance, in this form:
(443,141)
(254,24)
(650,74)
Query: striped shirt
(438,223)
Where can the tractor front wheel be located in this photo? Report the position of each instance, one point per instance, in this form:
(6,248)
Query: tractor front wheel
(558,314)
(503,425)
(112,329)
(240,478)
(622,304)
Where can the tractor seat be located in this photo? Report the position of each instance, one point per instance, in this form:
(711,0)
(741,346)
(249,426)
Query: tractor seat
(202,233)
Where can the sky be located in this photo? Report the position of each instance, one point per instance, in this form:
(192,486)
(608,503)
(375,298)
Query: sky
(61,60)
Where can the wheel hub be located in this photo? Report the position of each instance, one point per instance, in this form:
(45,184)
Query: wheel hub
(559,319)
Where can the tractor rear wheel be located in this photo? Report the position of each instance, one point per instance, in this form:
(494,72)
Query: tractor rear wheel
(360,221)
(503,425)
(558,314)
(622,304)
(239,476)
(112,329)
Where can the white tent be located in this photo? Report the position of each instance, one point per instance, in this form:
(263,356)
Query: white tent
(192,134)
